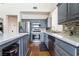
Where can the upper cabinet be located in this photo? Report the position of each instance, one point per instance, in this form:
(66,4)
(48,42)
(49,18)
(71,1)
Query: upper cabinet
(73,11)
(43,23)
(62,12)
(68,12)
(49,22)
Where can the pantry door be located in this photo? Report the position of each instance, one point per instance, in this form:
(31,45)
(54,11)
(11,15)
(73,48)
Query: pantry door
(12,24)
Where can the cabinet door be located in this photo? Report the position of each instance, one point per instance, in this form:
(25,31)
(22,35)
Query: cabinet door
(62,13)
(73,11)
(43,23)
(66,47)
(42,37)
(25,45)
(46,22)
(51,44)
(59,51)
(46,39)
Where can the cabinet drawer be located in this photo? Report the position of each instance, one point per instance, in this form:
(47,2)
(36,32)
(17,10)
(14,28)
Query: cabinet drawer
(46,44)
(56,53)
(60,51)
(65,46)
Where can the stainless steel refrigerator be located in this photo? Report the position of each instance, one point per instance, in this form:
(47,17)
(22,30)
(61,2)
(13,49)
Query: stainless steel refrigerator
(28,26)
(24,27)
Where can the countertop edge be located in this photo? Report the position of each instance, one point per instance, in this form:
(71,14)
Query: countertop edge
(13,38)
(76,44)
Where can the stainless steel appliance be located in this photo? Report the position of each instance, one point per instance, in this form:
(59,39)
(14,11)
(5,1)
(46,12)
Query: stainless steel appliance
(36,36)
(36,32)
(24,27)
(28,27)
(36,25)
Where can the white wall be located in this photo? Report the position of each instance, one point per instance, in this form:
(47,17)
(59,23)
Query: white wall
(15,9)
(55,25)
(12,24)
(4,11)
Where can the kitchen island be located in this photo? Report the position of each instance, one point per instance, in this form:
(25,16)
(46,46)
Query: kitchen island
(65,45)
(21,38)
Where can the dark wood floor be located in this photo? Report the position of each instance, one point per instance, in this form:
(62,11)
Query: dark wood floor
(37,49)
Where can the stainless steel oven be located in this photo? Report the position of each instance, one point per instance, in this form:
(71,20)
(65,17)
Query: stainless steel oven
(36,25)
(36,36)
(36,32)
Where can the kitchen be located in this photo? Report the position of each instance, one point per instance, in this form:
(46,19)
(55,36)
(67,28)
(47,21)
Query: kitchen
(39,29)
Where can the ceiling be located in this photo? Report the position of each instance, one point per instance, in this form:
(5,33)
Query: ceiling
(27,10)
(41,7)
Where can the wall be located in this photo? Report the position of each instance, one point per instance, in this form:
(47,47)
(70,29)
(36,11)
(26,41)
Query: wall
(4,11)
(55,25)
(12,24)
(15,9)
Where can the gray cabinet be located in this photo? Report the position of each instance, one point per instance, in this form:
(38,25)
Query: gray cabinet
(23,45)
(60,52)
(43,23)
(26,45)
(60,47)
(46,39)
(73,11)
(62,12)
(51,44)
(68,12)
(64,49)
(42,37)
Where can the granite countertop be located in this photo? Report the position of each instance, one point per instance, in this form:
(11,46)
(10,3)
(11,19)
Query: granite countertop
(4,38)
(74,40)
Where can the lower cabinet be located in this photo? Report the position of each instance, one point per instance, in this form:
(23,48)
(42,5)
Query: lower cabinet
(64,49)
(51,44)
(24,45)
(59,47)
(46,39)
(42,38)
(60,52)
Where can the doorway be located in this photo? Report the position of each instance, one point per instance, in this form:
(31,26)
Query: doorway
(12,24)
